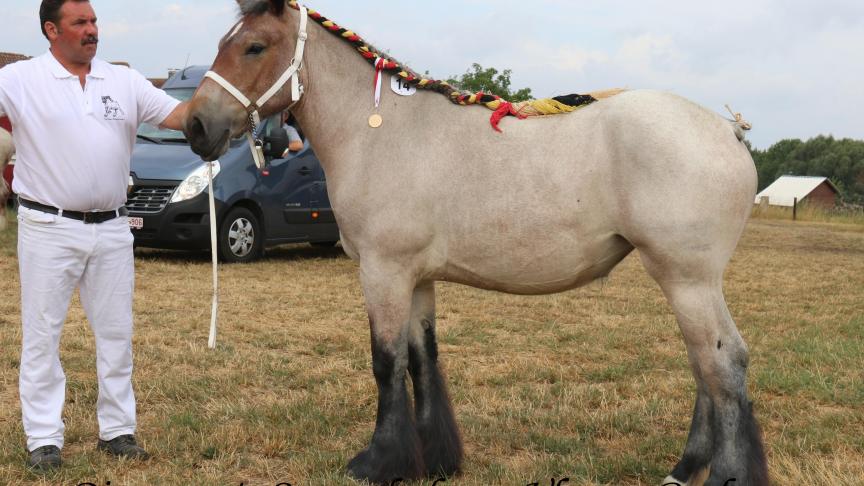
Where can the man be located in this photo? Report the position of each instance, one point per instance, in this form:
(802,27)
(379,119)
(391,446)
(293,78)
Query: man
(75,119)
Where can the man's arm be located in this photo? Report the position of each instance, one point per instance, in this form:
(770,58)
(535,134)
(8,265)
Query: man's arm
(177,119)
(295,145)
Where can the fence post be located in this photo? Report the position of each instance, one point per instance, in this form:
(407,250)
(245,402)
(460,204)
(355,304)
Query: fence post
(795,209)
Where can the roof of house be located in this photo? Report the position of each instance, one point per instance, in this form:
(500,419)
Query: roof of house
(784,190)
(9,57)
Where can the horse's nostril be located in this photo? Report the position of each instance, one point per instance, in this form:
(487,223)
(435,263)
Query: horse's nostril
(196,127)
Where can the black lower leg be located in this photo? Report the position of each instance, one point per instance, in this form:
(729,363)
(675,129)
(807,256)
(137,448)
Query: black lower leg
(700,441)
(395,451)
(436,424)
(738,442)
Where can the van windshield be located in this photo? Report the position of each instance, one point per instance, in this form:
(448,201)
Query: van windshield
(152,133)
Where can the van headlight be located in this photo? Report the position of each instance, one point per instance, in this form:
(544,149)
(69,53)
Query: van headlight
(195,183)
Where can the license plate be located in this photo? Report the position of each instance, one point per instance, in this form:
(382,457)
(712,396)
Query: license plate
(136,223)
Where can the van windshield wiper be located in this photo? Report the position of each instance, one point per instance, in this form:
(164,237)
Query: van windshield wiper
(149,139)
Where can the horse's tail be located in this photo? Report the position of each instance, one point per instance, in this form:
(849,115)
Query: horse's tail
(739,125)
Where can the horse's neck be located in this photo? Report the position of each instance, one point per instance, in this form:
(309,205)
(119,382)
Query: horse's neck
(338,98)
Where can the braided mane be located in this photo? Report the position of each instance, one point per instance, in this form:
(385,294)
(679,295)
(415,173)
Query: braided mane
(501,107)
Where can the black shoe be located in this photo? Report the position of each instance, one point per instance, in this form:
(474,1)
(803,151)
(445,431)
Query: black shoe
(45,459)
(123,446)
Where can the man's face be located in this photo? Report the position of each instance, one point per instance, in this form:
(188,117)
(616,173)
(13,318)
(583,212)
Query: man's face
(77,35)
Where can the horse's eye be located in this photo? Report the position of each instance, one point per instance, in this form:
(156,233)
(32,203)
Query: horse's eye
(255,49)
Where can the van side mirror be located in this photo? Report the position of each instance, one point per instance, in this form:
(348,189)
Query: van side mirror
(276,143)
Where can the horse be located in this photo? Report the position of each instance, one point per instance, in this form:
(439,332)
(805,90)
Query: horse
(429,192)
(7,148)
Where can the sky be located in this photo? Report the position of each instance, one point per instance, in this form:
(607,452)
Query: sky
(793,68)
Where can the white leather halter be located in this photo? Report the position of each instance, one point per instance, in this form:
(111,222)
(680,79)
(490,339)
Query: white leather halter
(255,144)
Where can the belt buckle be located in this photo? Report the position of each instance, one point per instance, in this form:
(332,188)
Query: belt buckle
(90,218)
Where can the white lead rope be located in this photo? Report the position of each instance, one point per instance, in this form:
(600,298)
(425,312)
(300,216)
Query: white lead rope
(255,145)
(214,308)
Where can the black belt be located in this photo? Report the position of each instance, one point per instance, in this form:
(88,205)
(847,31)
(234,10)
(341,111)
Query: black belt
(92,217)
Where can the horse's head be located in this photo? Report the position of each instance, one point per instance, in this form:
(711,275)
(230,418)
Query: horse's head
(252,57)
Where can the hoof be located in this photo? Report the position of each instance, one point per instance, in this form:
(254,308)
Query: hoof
(378,468)
(360,468)
(697,479)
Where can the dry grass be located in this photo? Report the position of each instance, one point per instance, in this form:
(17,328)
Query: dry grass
(850,216)
(591,384)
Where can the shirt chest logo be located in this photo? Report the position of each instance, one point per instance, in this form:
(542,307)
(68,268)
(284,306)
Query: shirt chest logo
(113,110)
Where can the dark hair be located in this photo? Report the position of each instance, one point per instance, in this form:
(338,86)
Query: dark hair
(49,11)
(260,7)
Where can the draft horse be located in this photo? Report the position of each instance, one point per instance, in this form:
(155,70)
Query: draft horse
(551,204)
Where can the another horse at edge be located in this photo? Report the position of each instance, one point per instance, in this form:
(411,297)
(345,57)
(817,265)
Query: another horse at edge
(7,148)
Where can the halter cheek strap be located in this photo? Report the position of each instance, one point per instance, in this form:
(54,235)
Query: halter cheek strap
(255,144)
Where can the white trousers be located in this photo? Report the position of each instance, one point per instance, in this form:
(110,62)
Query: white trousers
(56,255)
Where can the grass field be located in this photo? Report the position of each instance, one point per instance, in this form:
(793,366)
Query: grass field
(592,384)
(811,213)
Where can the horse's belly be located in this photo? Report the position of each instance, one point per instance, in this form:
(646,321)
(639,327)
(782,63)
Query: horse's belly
(523,271)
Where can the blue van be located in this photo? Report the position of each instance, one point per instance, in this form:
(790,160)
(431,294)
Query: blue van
(168,199)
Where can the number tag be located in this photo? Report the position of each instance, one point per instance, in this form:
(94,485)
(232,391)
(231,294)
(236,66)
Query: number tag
(400,87)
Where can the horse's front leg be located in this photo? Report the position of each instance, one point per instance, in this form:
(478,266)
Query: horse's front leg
(395,450)
(436,424)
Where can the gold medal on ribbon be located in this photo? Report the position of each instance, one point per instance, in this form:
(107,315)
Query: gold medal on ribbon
(375,121)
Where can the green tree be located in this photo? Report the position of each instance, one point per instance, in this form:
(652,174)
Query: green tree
(489,81)
(842,161)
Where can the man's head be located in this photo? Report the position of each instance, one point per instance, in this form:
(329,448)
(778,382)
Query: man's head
(70,27)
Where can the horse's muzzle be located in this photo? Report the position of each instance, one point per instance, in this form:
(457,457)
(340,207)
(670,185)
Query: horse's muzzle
(209,139)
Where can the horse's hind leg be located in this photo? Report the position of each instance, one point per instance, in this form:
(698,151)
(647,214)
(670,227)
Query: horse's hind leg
(395,450)
(724,436)
(439,435)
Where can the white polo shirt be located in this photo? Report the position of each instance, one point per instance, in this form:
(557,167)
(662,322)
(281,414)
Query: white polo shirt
(74,145)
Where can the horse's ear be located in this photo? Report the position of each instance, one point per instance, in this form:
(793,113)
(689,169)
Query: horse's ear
(277,7)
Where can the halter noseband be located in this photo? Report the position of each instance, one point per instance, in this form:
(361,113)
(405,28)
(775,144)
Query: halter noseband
(255,144)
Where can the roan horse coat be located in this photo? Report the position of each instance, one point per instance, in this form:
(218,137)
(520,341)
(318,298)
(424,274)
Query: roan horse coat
(551,204)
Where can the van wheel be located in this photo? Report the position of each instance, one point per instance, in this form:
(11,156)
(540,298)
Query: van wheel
(240,237)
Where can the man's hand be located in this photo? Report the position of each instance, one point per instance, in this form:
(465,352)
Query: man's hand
(177,119)
(295,146)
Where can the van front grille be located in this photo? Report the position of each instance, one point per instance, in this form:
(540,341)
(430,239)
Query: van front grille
(148,200)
